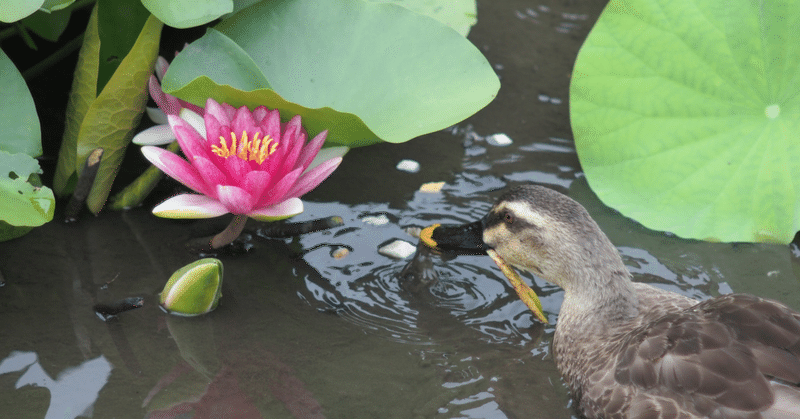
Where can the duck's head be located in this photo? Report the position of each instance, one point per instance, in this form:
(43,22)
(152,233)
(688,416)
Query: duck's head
(532,228)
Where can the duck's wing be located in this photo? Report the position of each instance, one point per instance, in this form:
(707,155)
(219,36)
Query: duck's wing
(730,356)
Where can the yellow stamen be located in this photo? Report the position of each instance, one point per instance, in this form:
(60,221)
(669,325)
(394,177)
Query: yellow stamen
(257,149)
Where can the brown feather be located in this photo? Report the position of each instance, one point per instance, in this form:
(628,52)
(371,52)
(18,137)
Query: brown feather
(633,351)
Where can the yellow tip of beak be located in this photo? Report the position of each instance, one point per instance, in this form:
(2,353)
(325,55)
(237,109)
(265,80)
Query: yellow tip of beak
(425,236)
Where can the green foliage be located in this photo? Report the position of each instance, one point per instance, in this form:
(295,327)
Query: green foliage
(49,26)
(106,119)
(21,203)
(19,124)
(187,13)
(365,71)
(24,203)
(14,10)
(686,116)
(460,15)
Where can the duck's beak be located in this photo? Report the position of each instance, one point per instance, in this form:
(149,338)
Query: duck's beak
(468,239)
(461,239)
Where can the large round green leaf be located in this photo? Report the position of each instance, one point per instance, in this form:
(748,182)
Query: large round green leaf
(686,116)
(366,71)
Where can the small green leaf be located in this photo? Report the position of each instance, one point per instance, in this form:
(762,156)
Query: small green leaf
(21,203)
(188,13)
(686,116)
(366,71)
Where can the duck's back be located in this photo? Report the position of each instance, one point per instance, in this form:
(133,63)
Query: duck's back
(733,356)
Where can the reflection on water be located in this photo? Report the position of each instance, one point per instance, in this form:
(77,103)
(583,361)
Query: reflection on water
(72,393)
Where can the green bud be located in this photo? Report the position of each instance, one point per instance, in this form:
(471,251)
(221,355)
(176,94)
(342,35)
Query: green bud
(194,289)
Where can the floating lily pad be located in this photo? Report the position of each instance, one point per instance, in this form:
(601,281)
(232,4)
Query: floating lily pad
(366,71)
(686,116)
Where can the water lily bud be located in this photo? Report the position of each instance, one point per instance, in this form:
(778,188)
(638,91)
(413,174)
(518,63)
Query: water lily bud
(194,289)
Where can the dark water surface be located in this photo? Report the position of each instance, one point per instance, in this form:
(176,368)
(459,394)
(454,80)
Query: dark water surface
(302,334)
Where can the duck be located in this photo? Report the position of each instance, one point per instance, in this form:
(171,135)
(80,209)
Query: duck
(630,350)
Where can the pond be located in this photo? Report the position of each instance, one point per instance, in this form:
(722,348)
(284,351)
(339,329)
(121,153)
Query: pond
(306,330)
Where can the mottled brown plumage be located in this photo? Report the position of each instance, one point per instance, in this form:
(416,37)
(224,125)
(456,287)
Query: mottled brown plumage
(630,350)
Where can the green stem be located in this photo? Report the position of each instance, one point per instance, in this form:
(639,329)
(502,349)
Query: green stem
(42,66)
(230,233)
(140,188)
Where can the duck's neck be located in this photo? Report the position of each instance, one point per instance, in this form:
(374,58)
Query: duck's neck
(598,287)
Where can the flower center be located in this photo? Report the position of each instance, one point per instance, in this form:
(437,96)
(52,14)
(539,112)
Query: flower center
(257,149)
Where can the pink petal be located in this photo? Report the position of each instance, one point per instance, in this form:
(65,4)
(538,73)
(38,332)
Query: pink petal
(272,128)
(255,182)
(192,144)
(176,167)
(168,103)
(294,152)
(214,129)
(277,192)
(326,154)
(285,209)
(210,173)
(311,149)
(191,106)
(190,206)
(235,199)
(312,178)
(218,111)
(243,121)
(259,114)
(237,168)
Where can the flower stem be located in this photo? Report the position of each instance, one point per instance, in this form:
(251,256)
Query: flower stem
(230,233)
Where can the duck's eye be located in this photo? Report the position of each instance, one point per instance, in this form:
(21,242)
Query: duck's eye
(508,218)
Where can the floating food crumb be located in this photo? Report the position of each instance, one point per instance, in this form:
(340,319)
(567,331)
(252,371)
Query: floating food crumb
(499,140)
(409,166)
(376,220)
(398,249)
(431,187)
(340,253)
(413,231)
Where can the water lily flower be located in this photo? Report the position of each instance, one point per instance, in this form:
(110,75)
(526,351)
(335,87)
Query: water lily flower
(194,289)
(161,133)
(242,162)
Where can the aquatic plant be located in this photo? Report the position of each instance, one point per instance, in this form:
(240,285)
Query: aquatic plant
(242,162)
(685,116)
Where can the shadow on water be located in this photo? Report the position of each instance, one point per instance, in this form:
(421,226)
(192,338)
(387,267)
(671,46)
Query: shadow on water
(323,325)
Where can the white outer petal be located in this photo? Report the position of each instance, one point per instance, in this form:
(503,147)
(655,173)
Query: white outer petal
(327,154)
(156,115)
(195,120)
(190,206)
(285,209)
(155,135)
